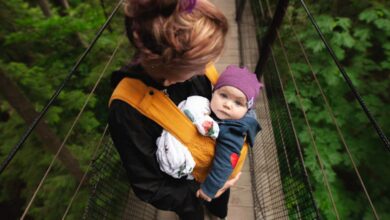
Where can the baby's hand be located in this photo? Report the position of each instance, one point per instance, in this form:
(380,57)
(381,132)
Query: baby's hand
(207,126)
(200,194)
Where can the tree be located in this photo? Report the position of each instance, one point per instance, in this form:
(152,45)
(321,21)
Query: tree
(45,7)
(50,141)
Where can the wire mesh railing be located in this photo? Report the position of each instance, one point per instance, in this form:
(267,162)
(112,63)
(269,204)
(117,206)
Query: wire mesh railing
(281,189)
(111,194)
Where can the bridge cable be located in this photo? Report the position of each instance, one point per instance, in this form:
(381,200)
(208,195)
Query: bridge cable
(332,115)
(71,129)
(29,130)
(347,79)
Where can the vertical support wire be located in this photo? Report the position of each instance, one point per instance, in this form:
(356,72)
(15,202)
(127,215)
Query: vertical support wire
(240,5)
(270,36)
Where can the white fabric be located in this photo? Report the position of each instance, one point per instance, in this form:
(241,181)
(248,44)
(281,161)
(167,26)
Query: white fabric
(173,157)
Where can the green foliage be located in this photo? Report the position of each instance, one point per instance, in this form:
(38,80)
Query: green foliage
(358,32)
(37,54)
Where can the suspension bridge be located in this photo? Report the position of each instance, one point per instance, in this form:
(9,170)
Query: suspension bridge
(275,183)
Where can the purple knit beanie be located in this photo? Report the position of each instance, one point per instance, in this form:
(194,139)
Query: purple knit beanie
(242,79)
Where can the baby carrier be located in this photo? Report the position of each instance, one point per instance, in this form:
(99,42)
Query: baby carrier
(157,106)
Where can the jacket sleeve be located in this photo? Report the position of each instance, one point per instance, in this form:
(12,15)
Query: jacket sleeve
(227,152)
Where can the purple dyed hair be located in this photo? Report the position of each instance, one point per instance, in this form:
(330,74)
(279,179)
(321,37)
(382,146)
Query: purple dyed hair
(187,5)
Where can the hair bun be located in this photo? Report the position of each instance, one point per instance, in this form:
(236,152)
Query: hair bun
(150,8)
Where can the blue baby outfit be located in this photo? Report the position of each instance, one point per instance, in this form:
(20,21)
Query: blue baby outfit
(231,137)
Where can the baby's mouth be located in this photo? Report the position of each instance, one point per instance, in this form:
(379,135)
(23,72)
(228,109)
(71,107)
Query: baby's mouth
(224,113)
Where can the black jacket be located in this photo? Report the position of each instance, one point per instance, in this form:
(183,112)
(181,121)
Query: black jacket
(134,136)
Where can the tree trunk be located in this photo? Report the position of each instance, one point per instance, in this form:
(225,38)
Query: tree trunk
(64,6)
(26,110)
(45,7)
(64,3)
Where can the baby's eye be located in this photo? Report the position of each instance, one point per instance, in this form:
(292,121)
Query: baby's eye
(223,95)
(238,103)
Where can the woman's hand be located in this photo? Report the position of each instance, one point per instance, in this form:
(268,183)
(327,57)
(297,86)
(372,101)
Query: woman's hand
(200,194)
(228,184)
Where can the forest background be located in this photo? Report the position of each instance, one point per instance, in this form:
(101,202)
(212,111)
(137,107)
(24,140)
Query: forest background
(41,40)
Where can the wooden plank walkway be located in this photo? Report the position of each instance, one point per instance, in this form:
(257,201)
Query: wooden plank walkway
(267,182)
(241,201)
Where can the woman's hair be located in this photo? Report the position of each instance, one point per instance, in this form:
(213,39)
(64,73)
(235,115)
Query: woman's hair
(175,35)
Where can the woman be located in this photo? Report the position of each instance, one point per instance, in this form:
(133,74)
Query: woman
(174,41)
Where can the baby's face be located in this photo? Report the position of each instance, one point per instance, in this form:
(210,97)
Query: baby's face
(229,102)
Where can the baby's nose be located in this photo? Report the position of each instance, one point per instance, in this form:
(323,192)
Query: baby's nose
(228,104)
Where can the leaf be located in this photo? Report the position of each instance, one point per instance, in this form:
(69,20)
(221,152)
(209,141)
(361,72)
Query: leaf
(344,23)
(368,15)
(315,46)
(383,24)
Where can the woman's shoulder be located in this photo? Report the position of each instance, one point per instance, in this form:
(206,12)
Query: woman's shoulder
(118,75)
(196,86)
(202,86)
(120,111)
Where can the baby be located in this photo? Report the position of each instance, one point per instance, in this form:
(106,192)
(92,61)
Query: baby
(232,100)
